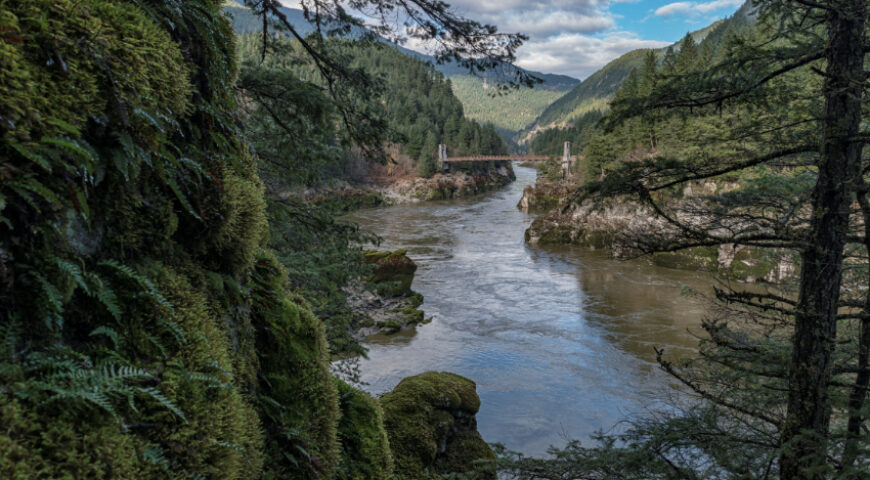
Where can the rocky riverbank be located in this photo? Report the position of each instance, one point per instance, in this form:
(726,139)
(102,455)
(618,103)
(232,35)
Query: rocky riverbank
(616,224)
(345,196)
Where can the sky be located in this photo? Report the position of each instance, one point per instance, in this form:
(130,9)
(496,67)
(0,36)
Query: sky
(577,37)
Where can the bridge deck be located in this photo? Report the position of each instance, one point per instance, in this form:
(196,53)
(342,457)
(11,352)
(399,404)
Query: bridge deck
(489,158)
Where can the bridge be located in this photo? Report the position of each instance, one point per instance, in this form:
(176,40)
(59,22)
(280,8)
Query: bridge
(568,160)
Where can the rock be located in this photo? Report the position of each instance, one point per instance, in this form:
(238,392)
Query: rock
(546,194)
(385,302)
(449,185)
(393,272)
(430,420)
(618,224)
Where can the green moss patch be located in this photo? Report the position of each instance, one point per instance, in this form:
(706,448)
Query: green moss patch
(431,425)
(365,449)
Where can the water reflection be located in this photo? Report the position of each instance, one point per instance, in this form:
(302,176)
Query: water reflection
(558,340)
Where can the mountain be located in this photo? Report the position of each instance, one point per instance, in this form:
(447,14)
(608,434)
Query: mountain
(595,91)
(510,112)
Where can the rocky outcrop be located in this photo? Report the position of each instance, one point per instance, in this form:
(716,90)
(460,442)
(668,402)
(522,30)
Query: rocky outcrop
(346,197)
(447,186)
(384,301)
(545,194)
(616,224)
(430,420)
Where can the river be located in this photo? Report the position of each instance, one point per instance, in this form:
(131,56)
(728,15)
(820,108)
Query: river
(559,340)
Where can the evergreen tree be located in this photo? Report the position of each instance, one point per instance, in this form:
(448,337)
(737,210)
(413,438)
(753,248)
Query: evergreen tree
(427,156)
(782,380)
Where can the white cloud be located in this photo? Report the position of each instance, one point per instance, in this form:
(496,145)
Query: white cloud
(579,55)
(540,24)
(695,9)
(674,9)
(716,5)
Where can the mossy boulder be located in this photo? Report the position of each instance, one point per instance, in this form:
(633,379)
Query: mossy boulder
(393,272)
(365,448)
(298,395)
(430,420)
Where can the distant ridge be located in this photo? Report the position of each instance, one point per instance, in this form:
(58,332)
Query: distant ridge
(245,21)
(595,91)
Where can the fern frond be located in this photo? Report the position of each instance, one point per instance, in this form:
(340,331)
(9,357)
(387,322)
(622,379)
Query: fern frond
(159,346)
(74,149)
(73,271)
(52,308)
(174,330)
(158,396)
(111,333)
(33,157)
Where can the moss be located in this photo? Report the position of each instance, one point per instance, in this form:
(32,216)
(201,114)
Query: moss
(416,299)
(242,228)
(428,417)
(467,452)
(696,258)
(65,60)
(35,444)
(365,449)
(557,235)
(393,272)
(391,326)
(412,315)
(221,436)
(298,395)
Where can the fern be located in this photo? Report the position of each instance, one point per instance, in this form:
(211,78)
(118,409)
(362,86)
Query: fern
(70,379)
(33,157)
(108,332)
(73,271)
(157,396)
(79,151)
(153,454)
(148,287)
(52,308)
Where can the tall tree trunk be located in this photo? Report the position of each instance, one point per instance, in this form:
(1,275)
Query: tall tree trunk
(805,432)
(858,395)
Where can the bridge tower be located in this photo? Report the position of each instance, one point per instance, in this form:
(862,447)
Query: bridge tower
(441,165)
(567,161)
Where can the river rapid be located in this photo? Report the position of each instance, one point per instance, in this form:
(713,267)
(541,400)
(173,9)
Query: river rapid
(559,340)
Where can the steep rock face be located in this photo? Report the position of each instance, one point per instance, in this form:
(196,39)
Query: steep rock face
(430,419)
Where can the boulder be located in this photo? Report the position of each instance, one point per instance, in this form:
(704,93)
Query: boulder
(430,419)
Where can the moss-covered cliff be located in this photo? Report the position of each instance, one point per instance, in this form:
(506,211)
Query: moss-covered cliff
(145,329)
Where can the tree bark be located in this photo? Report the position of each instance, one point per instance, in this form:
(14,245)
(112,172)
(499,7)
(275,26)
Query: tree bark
(805,432)
(858,395)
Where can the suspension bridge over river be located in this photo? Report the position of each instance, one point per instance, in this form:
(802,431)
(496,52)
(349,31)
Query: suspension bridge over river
(444,160)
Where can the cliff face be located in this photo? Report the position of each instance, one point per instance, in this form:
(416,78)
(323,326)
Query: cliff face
(146,330)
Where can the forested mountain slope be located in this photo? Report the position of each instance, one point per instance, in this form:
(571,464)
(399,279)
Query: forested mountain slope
(416,103)
(524,105)
(594,92)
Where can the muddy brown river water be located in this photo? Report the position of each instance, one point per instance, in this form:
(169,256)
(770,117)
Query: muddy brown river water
(559,340)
